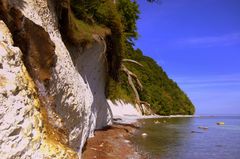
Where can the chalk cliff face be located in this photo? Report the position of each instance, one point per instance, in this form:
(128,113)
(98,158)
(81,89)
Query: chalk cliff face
(25,131)
(52,111)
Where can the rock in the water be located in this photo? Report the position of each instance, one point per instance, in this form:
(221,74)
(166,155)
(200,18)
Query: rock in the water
(203,127)
(220,123)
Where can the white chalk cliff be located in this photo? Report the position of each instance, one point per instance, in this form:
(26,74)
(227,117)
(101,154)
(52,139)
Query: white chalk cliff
(28,130)
(23,129)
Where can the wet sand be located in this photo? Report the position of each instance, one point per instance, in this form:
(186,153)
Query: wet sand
(112,143)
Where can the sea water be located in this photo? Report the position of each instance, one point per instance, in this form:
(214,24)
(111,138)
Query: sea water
(181,138)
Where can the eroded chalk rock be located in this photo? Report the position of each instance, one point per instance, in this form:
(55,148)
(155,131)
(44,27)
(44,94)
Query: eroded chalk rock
(22,124)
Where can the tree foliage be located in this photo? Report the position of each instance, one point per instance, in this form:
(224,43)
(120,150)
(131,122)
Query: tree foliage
(129,12)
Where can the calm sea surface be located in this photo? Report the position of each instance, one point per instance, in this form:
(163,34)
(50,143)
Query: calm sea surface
(180,138)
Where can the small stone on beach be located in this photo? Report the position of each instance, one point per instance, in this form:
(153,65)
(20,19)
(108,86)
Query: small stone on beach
(126,141)
(144,134)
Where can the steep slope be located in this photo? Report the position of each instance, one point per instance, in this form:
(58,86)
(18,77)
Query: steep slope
(162,93)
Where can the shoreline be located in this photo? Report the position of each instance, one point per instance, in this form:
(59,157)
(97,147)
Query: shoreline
(130,119)
(113,142)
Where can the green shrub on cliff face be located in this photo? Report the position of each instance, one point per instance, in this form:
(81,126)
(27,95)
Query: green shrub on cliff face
(80,32)
(74,29)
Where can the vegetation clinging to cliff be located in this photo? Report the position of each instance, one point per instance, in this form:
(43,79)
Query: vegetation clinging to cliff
(117,23)
(80,19)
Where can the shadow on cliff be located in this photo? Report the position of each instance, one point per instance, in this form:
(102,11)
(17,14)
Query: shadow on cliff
(30,38)
(5,6)
(20,3)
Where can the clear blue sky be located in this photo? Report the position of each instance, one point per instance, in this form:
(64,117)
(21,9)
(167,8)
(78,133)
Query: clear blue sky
(197,42)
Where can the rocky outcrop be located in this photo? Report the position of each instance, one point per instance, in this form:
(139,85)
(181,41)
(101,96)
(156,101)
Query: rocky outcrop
(69,81)
(23,126)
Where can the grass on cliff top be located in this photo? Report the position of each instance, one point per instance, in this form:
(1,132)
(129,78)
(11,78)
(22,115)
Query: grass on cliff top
(114,21)
(81,32)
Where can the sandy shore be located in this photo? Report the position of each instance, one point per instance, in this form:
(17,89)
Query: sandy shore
(112,143)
